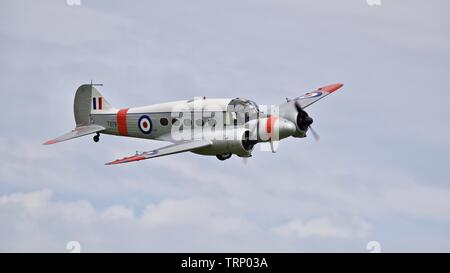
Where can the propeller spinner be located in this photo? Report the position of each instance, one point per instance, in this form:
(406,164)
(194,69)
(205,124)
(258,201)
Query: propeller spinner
(304,121)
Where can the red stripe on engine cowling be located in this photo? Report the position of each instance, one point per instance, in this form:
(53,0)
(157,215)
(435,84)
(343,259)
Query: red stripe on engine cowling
(122,122)
(270,123)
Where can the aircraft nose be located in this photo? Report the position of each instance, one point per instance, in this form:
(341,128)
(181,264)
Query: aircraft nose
(331,88)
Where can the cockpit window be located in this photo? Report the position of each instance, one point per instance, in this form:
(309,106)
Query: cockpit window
(242,110)
(254,105)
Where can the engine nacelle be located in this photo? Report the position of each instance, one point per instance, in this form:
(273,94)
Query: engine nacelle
(228,141)
(288,111)
(271,128)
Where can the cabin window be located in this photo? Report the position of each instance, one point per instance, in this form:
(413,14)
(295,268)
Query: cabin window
(175,121)
(212,122)
(163,121)
(187,122)
(199,122)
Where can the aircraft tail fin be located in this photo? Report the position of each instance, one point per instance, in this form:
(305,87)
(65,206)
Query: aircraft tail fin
(88,100)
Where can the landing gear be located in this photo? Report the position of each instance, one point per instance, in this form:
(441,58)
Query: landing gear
(223,157)
(96,137)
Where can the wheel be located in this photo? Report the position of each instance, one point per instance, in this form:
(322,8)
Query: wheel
(223,157)
(96,137)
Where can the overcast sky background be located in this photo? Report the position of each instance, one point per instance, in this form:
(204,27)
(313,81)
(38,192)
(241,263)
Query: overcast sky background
(380,171)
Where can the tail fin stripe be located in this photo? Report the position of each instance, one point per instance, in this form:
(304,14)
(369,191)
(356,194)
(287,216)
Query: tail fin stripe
(94,103)
(99,103)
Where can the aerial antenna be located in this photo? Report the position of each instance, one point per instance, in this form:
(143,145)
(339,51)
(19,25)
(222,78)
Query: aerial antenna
(96,84)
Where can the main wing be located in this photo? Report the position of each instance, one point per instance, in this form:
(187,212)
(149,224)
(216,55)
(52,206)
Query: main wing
(171,149)
(311,97)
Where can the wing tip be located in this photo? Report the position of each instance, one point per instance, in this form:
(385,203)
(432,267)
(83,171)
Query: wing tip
(126,160)
(50,142)
(331,88)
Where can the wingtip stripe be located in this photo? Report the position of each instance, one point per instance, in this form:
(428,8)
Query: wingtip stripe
(53,141)
(126,160)
(331,88)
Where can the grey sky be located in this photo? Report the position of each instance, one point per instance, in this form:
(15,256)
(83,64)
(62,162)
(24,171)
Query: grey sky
(380,171)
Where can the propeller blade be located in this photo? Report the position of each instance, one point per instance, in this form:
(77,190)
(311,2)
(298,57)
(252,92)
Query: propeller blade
(298,106)
(314,133)
(274,145)
(245,160)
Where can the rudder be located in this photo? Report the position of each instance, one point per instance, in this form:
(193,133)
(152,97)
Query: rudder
(88,100)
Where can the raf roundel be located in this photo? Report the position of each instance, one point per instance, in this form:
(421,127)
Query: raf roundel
(145,124)
(311,95)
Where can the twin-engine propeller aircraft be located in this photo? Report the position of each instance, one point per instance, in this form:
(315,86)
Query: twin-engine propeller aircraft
(220,127)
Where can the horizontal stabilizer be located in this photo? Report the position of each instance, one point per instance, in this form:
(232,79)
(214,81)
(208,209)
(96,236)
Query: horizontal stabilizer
(77,132)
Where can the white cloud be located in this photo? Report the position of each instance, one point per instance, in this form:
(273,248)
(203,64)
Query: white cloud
(36,214)
(35,221)
(55,22)
(324,227)
(117,212)
(210,211)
